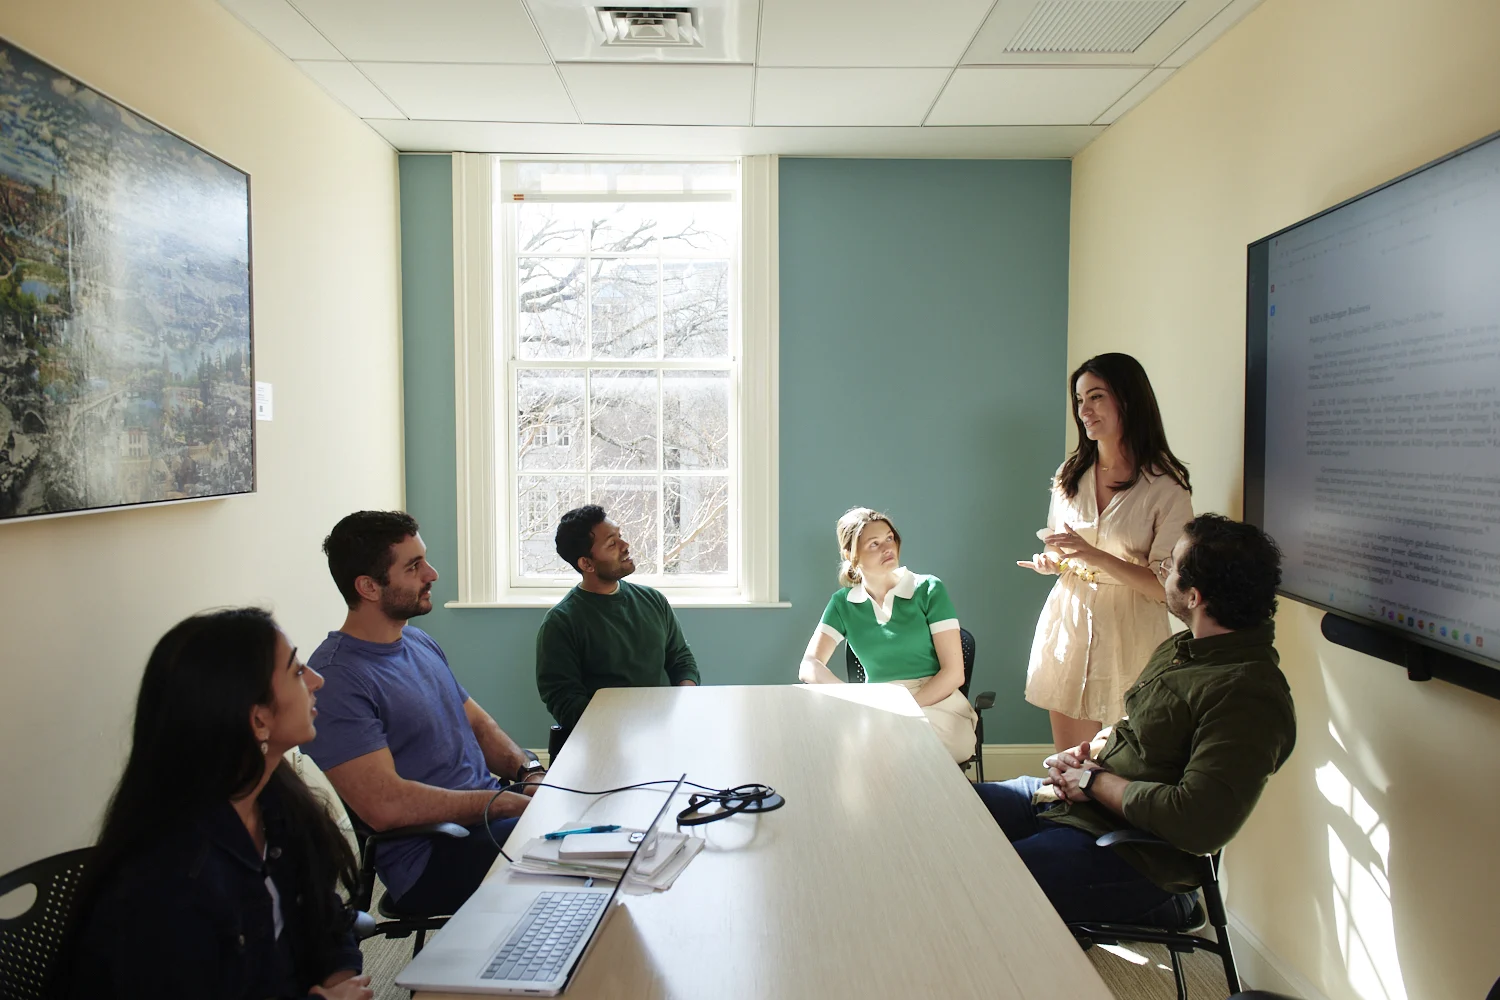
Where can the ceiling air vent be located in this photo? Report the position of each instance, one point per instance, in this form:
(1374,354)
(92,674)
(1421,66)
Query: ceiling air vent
(1085,26)
(654,27)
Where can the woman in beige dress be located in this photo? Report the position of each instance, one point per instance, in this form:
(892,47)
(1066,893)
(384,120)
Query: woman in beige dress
(1118,506)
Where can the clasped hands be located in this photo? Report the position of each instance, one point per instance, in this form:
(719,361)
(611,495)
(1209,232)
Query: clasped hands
(1068,544)
(1065,767)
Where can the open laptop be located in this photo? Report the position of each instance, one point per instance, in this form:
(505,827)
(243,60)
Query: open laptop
(514,938)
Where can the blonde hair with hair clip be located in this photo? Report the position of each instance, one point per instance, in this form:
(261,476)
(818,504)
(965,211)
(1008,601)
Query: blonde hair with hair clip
(849,528)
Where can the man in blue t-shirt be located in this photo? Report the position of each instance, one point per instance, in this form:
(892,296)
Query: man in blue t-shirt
(398,737)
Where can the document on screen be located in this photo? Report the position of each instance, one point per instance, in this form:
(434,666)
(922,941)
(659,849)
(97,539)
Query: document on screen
(1382,445)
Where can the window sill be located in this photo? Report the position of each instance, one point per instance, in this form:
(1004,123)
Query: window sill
(547,602)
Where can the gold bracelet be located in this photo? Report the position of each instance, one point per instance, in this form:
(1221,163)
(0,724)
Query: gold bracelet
(1079,569)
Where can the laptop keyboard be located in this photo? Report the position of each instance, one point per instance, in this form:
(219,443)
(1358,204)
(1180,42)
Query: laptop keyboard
(545,936)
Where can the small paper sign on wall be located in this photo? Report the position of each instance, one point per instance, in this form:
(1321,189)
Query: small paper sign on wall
(262,401)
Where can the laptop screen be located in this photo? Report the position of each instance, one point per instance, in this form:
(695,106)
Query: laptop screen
(647,845)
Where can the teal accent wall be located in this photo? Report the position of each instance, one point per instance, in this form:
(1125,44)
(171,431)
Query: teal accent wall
(923,371)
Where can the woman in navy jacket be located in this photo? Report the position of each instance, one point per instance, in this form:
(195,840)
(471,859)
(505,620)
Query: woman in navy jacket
(217,871)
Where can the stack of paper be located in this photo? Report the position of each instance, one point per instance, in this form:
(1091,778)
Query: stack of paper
(656,872)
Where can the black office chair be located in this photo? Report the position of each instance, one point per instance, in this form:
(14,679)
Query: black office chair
(555,740)
(29,942)
(1207,910)
(856,675)
(396,922)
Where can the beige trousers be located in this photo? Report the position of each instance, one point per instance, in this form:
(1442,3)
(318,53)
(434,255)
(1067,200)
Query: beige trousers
(953,721)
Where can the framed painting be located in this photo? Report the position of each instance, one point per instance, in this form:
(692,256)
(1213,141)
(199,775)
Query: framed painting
(126,350)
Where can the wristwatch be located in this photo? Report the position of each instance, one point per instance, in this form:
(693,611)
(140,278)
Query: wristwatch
(532,766)
(1086,779)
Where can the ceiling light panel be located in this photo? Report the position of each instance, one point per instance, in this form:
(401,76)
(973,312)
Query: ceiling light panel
(1091,25)
(699,31)
(432,31)
(845,97)
(469,92)
(1031,95)
(634,94)
(868,32)
(1087,32)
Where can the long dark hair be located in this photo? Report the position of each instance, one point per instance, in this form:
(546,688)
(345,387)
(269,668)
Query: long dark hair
(1144,437)
(193,751)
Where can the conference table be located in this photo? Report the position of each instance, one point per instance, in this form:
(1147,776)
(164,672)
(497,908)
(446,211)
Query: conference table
(883,876)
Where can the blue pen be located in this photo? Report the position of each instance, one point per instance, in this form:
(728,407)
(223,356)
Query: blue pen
(560,834)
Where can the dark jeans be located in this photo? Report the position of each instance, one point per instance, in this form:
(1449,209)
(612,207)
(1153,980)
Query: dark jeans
(1082,880)
(455,869)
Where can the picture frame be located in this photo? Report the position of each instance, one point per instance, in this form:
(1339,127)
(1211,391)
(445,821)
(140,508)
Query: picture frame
(127,361)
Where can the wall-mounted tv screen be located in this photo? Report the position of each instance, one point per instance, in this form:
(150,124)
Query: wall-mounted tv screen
(1372,431)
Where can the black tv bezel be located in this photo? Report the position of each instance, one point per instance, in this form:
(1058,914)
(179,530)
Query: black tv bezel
(1423,656)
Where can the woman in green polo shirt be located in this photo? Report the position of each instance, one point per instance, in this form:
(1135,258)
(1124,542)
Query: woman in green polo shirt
(900,624)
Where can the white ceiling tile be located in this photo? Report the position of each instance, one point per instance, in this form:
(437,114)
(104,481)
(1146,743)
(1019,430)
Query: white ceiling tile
(636,94)
(728,30)
(1031,95)
(1025,142)
(458,31)
(867,32)
(1211,32)
(785,96)
(472,92)
(1136,95)
(351,88)
(284,28)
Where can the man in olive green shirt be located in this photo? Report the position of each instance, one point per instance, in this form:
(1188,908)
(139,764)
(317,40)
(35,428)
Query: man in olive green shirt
(1207,723)
(605,632)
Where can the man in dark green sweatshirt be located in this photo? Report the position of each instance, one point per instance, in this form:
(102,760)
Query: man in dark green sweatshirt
(1207,723)
(605,632)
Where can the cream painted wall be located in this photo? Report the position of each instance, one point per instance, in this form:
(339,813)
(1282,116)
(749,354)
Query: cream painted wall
(85,597)
(1367,870)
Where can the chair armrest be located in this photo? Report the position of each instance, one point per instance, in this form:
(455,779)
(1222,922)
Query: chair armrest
(424,830)
(985,700)
(1129,837)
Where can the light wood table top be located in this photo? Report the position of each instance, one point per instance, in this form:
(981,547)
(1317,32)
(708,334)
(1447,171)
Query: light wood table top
(883,876)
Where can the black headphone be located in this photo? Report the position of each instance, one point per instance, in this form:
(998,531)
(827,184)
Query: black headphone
(729,802)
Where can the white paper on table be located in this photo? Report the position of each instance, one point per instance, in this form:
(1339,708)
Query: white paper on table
(643,885)
(673,852)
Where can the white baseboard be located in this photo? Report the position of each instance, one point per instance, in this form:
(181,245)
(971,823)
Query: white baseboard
(1261,969)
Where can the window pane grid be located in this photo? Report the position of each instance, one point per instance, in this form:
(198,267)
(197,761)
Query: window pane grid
(681,510)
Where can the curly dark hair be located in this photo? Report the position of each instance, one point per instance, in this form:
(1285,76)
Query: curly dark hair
(575,533)
(360,545)
(1144,434)
(1235,566)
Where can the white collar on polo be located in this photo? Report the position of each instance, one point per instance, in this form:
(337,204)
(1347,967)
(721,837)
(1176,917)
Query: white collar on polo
(905,588)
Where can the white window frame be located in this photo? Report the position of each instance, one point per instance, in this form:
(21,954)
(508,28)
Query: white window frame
(486,529)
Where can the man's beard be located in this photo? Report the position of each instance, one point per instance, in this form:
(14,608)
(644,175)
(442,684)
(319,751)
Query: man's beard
(1177,604)
(620,572)
(400,608)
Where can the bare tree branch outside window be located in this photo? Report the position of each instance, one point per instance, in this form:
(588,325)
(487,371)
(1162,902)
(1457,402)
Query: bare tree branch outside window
(638,283)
